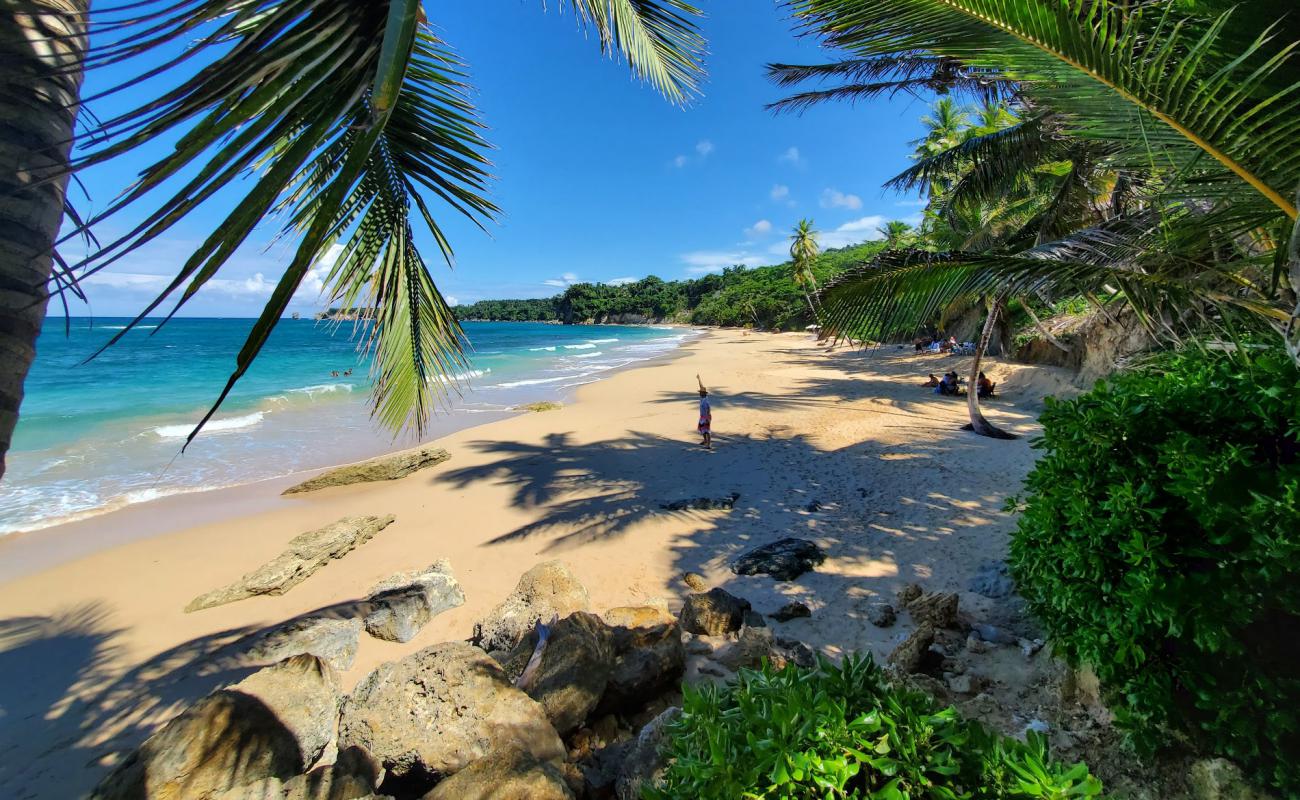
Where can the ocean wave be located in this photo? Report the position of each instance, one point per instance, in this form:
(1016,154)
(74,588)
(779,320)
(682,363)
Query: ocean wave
(586,346)
(228,424)
(533,382)
(322,388)
(472,373)
(539,349)
(587,355)
(602,341)
(123,327)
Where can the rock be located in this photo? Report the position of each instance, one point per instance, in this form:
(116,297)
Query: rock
(908,593)
(546,591)
(784,559)
(964,684)
(439,709)
(694,580)
(792,651)
(992,579)
(882,615)
(992,633)
(975,644)
(937,608)
(355,775)
(1220,779)
(306,553)
(542,405)
(813,507)
(753,619)
(791,611)
(334,641)
(510,774)
(644,764)
(713,613)
(909,655)
(1030,647)
(400,606)
(573,669)
(273,724)
(698,647)
(384,468)
(648,654)
(748,651)
(703,503)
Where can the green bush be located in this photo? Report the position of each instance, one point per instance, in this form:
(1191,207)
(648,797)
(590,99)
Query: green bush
(845,732)
(1160,544)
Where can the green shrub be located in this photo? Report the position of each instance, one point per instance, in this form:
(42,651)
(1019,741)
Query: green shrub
(845,732)
(1160,544)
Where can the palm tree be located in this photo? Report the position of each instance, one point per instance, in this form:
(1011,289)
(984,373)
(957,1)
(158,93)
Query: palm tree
(803,252)
(1175,105)
(348,120)
(895,233)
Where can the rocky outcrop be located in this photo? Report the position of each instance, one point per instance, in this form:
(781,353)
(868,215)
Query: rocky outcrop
(713,613)
(935,608)
(572,671)
(703,503)
(748,651)
(784,559)
(354,775)
(384,468)
(511,774)
(644,763)
(273,724)
(400,606)
(306,553)
(648,654)
(546,591)
(789,611)
(440,709)
(334,641)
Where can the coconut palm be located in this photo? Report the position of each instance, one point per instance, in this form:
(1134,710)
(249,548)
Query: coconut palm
(803,252)
(350,122)
(1185,105)
(895,233)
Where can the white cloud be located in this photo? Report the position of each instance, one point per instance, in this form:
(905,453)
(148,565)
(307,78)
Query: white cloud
(862,229)
(699,262)
(704,147)
(680,161)
(913,203)
(760,228)
(564,281)
(791,156)
(834,198)
(621,281)
(779,192)
(451,299)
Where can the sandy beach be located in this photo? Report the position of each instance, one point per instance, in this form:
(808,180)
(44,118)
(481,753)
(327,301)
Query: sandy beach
(95,648)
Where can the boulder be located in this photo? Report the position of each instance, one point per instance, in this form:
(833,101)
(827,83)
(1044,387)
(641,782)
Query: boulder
(703,503)
(784,559)
(713,613)
(748,651)
(909,593)
(439,709)
(355,775)
(648,654)
(992,579)
(546,591)
(937,608)
(306,553)
(333,640)
(791,611)
(400,606)
(509,774)
(644,764)
(695,580)
(792,651)
(384,468)
(910,654)
(572,671)
(273,724)
(1220,779)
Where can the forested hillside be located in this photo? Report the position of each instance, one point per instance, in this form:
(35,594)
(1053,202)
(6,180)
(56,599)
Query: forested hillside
(764,297)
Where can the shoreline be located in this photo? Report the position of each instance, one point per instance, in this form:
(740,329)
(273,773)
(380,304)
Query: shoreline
(840,446)
(449,423)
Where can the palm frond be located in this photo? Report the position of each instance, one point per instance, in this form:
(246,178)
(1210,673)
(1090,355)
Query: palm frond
(989,163)
(655,37)
(913,74)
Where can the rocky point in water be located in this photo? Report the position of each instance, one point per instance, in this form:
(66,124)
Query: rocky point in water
(384,468)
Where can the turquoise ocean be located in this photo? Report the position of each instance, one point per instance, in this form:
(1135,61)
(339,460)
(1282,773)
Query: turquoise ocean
(104,434)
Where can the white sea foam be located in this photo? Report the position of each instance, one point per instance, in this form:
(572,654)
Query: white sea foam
(228,424)
(472,373)
(602,341)
(539,349)
(123,327)
(322,388)
(587,346)
(534,382)
(587,355)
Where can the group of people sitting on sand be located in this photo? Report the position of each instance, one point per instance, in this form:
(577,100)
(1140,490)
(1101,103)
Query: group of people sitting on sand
(950,385)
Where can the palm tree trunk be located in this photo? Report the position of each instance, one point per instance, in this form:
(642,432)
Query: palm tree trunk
(41,48)
(977,422)
(1024,301)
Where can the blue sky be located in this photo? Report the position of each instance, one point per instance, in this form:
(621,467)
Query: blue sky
(599,177)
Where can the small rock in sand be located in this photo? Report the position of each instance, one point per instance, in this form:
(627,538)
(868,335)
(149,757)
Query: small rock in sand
(695,580)
(882,615)
(909,655)
(784,559)
(703,503)
(713,613)
(791,611)
(908,593)
(977,645)
(384,468)
(403,604)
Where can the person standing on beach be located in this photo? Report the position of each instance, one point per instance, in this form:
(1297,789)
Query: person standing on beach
(706,417)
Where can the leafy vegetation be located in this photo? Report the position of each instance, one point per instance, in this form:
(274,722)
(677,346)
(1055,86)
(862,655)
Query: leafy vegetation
(842,731)
(764,297)
(1160,543)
